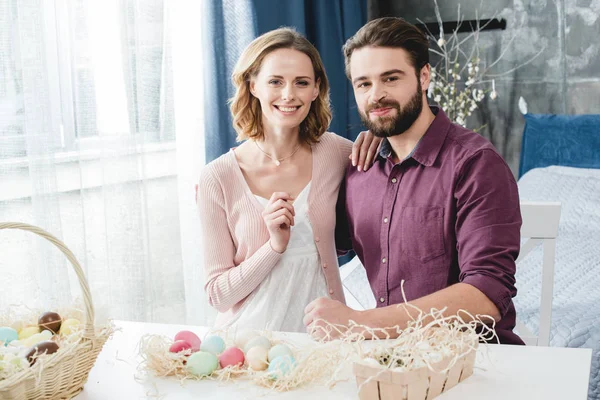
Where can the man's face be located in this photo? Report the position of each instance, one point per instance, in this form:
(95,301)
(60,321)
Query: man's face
(386,88)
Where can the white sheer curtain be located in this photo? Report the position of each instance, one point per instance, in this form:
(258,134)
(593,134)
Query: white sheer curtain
(100,144)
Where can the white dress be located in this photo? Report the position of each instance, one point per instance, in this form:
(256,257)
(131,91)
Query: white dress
(278,302)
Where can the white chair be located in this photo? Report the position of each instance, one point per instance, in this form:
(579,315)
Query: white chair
(356,286)
(540,226)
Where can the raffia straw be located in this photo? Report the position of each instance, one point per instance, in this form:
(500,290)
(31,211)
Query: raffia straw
(428,338)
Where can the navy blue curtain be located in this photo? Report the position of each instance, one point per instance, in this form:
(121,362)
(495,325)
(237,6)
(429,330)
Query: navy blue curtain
(228,27)
(231,24)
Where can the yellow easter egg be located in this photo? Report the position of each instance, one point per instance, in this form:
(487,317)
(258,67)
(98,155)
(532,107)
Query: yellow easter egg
(28,332)
(31,340)
(256,358)
(18,325)
(69,326)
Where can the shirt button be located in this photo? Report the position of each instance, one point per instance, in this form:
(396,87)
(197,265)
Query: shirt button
(324,265)
(317,239)
(382,300)
(330,291)
(384,260)
(385,220)
(394,180)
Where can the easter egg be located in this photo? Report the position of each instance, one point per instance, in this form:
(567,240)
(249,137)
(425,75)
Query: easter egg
(37,338)
(256,358)
(69,326)
(189,337)
(28,331)
(179,345)
(7,335)
(213,344)
(279,350)
(281,366)
(258,341)
(202,363)
(243,336)
(231,356)
(51,321)
(47,347)
(17,325)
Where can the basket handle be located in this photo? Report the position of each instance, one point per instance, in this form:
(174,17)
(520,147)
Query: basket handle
(87,295)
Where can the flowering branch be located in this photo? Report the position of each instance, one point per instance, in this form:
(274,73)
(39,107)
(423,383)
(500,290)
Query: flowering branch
(460,80)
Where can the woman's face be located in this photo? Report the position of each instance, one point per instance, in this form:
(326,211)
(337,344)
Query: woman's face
(285,87)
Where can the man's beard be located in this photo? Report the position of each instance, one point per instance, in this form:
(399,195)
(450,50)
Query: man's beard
(392,126)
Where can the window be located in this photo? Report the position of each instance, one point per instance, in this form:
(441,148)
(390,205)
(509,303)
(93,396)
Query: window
(108,68)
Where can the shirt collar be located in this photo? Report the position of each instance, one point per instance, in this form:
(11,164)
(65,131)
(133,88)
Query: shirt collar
(430,144)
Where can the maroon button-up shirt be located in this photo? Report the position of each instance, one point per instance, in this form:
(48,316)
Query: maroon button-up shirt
(447,213)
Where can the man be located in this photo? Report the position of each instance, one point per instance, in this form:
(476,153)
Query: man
(439,208)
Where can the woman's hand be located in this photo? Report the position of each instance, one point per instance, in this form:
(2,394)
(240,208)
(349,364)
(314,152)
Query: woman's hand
(279,218)
(364,150)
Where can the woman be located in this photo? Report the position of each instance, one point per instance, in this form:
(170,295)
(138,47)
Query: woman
(267,207)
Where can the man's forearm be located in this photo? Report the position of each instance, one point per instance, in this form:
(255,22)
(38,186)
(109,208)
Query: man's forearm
(460,296)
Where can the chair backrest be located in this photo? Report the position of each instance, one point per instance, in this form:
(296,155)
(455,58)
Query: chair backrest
(356,285)
(540,227)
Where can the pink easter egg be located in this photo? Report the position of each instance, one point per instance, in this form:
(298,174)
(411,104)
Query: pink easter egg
(231,356)
(189,337)
(179,345)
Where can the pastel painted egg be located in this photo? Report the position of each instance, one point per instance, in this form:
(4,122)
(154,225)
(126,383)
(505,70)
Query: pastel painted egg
(28,331)
(231,357)
(256,358)
(50,321)
(279,350)
(7,335)
(281,366)
(18,325)
(69,326)
(37,338)
(243,336)
(179,345)
(202,363)
(19,362)
(189,337)
(258,341)
(213,344)
(47,347)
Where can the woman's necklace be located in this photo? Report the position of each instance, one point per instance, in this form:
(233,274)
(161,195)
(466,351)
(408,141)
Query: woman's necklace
(278,161)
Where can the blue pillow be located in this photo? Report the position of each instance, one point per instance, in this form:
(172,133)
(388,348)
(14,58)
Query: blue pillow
(569,140)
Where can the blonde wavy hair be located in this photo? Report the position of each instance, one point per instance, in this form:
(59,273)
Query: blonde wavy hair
(245,108)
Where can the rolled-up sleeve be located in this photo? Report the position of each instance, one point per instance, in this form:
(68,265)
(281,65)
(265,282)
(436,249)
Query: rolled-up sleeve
(488,225)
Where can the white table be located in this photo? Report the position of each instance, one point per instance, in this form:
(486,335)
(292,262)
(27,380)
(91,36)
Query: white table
(504,372)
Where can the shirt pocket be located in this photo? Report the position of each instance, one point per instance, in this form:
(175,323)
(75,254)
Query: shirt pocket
(423,232)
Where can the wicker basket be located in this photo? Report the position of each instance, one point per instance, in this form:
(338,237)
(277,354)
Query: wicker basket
(377,383)
(62,374)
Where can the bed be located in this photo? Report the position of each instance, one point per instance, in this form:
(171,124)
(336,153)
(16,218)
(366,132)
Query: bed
(560,162)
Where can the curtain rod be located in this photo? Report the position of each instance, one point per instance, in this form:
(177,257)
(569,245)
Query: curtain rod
(465,26)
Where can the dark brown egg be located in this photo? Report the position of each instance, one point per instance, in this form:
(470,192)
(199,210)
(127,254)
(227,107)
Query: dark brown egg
(50,321)
(47,347)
